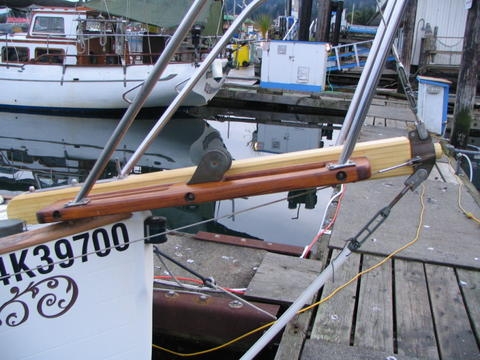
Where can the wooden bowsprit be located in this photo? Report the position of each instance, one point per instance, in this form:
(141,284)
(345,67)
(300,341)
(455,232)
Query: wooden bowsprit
(233,186)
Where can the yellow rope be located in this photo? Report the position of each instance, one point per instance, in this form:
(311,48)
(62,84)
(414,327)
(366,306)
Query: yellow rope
(380,263)
(468,214)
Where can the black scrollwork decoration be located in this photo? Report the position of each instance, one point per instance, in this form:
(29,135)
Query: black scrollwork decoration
(52,300)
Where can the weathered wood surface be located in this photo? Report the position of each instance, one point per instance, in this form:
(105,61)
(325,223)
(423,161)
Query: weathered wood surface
(469,282)
(250,243)
(293,337)
(230,266)
(281,278)
(323,350)
(456,339)
(405,309)
(447,235)
(415,330)
(334,318)
(374,320)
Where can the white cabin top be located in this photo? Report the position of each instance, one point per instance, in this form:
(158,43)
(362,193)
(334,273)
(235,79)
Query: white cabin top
(56,22)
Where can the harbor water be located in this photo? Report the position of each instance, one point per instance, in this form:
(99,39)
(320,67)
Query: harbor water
(44,150)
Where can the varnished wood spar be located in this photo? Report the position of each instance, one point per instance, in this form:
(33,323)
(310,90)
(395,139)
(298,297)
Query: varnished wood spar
(248,184)
(55,231)
(381,154)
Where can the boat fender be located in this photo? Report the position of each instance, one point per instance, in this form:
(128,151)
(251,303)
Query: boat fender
(11,227)
(217,68)
(155,230)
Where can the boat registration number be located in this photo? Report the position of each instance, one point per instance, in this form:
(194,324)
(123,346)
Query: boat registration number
(63,253)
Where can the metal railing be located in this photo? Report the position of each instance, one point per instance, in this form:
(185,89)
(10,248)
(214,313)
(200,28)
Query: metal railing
(349,55)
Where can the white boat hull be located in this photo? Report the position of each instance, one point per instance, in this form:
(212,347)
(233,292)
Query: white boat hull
(96,305)
(72,88)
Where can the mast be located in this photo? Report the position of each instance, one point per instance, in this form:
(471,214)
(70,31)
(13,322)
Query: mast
(371,73)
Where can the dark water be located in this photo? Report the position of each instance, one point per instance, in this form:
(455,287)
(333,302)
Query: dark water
(275,222)
(43,151)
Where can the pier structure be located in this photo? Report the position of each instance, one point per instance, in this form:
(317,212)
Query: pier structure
(410,292)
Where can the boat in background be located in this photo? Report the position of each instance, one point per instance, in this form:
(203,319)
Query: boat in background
(79,60)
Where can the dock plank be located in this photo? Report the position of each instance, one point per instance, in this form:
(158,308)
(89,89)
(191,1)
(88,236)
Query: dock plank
(454,333)
(444,222)
(374,323)
(324,350)
(293,337)
(391,112)
(334,318)
(281,278)
(470,287)
(230,266)
(415,330)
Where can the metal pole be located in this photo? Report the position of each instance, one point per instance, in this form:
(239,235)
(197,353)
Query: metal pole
(136,105)
(303,299)
(360,102)
(175,104)
(369,79)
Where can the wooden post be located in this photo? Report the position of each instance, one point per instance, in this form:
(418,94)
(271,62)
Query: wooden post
(408,31)
(288,7)
(338,20)
(305,19)
(323,20)
(467,78)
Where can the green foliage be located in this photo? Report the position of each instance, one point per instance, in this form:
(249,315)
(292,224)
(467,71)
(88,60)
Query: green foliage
(461,129)
(361,16)
(263,23)
(363,8)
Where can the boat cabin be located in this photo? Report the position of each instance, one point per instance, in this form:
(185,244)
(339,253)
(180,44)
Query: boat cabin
(51,35)
(81,36)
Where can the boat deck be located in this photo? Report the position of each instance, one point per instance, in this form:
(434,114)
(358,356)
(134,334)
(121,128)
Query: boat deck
(423,303)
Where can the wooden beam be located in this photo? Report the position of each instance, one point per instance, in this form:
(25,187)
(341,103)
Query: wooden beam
(381,154)
(163,196)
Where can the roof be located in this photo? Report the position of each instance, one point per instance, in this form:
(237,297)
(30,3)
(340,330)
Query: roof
(163,13)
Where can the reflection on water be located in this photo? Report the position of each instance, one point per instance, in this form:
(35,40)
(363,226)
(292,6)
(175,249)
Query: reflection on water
(42,151)
(275,222)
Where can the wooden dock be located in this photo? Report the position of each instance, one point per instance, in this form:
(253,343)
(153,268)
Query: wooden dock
(423,303)
(243,98)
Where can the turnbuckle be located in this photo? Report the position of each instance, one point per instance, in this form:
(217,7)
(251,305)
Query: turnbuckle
(412,182)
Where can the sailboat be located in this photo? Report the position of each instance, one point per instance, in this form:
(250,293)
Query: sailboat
(81,60)
(85,273)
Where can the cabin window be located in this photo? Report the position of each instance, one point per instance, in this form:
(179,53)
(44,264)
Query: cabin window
(14,54)
(50,56)
(49,25)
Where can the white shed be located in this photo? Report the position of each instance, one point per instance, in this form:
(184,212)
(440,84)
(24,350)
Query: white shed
(439,32)
(294,65)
